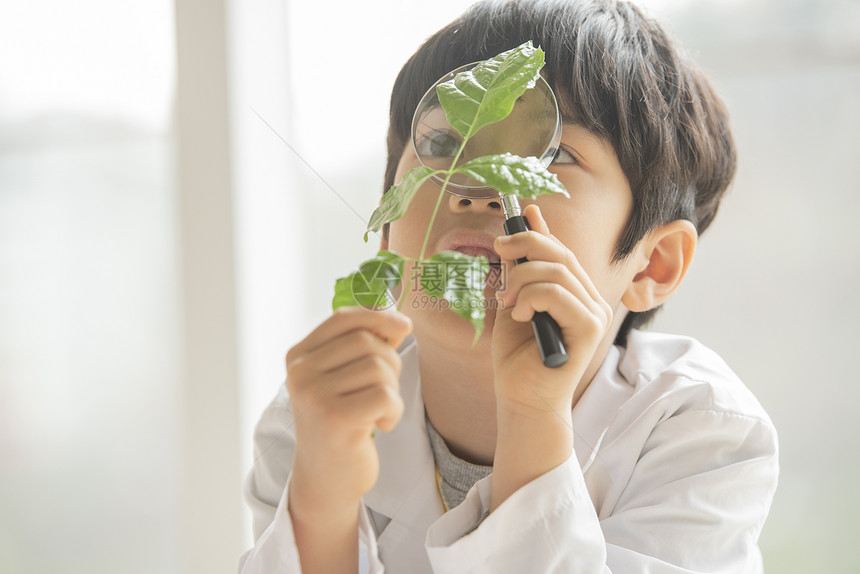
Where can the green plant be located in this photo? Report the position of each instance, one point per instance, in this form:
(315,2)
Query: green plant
(472,100)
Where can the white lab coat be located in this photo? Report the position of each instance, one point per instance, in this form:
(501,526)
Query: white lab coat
(674,469)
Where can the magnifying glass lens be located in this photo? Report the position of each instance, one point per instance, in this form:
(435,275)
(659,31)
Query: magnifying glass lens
(533,128)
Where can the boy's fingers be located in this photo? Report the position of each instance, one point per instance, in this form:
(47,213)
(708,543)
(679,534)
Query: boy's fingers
(389,325)
(368,371)
(569,311)
(543,272)
(347,348)
(381,404)
(536,247)
(529,244)
(535,218)
(345,352)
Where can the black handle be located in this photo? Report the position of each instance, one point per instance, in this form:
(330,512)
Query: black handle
(547,331)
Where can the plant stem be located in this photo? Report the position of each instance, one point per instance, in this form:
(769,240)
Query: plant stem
(420,260)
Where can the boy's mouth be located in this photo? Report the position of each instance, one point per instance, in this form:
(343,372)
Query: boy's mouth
(474,244)
(474,251)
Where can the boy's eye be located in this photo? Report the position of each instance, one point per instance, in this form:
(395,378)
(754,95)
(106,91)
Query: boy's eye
(438,143)
(562,157)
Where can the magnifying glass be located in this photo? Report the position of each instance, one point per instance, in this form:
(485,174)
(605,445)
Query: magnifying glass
(533,128)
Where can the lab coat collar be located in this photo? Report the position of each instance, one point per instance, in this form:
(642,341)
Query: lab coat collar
(406,490)
(597,408)
(406,460)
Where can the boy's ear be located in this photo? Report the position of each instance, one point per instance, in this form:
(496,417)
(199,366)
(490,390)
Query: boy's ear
(668,252)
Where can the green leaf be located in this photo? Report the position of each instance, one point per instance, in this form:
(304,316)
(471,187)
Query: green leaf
(487,93)
(370,285)
(395,202)
(524,177)
(459,279)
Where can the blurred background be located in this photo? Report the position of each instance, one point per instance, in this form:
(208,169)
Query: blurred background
(181,183)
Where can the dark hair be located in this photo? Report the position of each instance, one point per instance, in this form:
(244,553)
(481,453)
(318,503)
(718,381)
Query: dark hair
(616,72)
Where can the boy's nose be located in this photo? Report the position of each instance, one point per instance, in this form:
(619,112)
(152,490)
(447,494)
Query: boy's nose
(459,204)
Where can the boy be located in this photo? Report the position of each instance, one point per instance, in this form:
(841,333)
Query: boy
(643,453)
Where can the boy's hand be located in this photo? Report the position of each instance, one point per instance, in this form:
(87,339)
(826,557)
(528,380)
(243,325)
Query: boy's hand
(343,384)
(533,402)
(552,280)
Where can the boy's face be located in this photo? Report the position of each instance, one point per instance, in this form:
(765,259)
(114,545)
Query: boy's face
(589,224)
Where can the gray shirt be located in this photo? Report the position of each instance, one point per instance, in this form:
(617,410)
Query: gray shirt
(457,475)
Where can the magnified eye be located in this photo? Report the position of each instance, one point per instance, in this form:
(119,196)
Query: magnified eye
(438,143)
(562,157)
